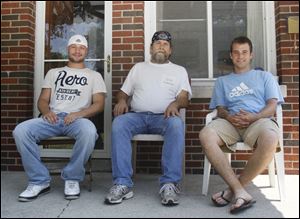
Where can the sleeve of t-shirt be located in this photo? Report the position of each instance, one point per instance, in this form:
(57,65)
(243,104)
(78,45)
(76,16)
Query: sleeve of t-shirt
(98,84)
(128,84)
(48,80)
(218,97)
(185,84)
(272,89)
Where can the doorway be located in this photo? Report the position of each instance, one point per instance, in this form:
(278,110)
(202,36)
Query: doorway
(56,22)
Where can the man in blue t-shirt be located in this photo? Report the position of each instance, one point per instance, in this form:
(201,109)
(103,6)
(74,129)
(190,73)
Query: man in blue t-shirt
(246,101)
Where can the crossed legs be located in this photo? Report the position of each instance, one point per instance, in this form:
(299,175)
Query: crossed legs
(266,145)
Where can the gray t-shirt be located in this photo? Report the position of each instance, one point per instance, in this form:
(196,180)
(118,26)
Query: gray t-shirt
(72,88)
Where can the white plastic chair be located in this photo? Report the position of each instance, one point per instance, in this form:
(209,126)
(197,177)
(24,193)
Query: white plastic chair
(154,137)
(278,157)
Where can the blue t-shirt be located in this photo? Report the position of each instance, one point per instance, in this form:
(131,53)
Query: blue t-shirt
(249,91)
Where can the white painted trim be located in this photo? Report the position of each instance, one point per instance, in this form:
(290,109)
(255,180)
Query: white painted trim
(150,26)
(39,52)
(270,36)
(65,60)
(108,79)
(209,40)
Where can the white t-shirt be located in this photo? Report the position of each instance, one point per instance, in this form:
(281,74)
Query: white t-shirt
(72,88)
(154,86)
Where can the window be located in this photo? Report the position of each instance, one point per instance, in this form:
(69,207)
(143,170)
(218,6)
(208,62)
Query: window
(202,32)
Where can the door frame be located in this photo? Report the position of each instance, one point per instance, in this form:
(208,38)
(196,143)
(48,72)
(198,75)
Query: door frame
(39,61)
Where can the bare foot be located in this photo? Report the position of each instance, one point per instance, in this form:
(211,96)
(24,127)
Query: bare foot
(222,198)
(240,199)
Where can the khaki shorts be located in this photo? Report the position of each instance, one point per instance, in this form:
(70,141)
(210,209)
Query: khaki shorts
(231,135)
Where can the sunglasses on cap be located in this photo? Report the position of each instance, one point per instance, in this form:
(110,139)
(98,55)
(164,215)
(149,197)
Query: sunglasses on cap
(161,35)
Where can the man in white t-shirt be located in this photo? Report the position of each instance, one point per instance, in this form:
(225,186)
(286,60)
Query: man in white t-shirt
(158,89)
(70,95)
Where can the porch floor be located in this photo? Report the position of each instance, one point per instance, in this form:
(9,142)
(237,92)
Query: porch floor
(146,201)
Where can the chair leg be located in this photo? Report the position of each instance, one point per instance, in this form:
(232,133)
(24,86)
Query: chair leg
(228,156)
(91,174)
(206,175)
(183,164)
(271,171)
(134,152)
(279,160)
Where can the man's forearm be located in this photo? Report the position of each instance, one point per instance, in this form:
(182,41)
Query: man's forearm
(222,113)
(182,101)
(43,107)
(121,96)
(94,109)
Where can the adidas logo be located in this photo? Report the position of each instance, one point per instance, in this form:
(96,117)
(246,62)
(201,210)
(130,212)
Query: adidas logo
(241,90)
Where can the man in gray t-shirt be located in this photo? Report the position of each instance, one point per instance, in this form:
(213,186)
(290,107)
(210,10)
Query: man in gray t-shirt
(70,95)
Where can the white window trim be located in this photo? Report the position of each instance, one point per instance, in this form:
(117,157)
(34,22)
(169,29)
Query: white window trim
(208,83)
(40,26)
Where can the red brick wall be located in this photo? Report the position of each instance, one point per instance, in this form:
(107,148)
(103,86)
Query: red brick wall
(17,52)
(127,19)
(17,46)
(288,70)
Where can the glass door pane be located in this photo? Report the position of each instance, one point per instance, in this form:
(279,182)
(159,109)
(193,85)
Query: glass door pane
(229,21)
(63,20)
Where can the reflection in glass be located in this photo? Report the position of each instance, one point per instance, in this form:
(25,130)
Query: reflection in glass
(229,21)
(66,18)
(186,21)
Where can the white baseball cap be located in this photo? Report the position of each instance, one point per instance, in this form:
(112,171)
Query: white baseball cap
(78,39)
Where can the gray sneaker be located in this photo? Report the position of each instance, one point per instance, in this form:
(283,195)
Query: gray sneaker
(117,193)
(169,194)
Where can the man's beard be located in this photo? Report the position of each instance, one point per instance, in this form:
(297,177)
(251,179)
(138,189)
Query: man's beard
(159,57)
(76,61)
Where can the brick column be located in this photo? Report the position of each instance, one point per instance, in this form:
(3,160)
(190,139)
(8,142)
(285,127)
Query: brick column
(288,70)
(17,56)
(128,39)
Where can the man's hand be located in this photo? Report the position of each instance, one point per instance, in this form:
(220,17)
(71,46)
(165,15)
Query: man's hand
(50,117)
(120,108)
(242,119)
(71,117)
(172,110)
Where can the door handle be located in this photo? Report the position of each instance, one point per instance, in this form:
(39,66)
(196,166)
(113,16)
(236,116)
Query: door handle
(108,63)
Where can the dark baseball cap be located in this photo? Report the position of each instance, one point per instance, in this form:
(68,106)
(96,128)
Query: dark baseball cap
(162,35)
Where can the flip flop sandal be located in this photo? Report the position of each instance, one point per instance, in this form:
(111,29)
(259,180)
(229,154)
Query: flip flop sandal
(221,204)
(246,204)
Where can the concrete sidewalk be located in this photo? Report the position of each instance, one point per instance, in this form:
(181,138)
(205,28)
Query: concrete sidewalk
(146,202)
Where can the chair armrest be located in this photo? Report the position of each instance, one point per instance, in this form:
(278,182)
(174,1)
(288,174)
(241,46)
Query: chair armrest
(210,116)
(182,114)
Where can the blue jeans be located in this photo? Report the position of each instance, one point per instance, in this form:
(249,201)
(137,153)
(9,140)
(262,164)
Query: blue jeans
(125,126)
(29,132)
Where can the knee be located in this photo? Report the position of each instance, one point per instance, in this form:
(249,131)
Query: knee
(175,123)
(268,140)
(119,124)
(88,129)
(206,135)
(20,131)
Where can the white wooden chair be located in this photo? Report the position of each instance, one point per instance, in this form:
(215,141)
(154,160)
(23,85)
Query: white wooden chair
(278,157)
(154,137)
